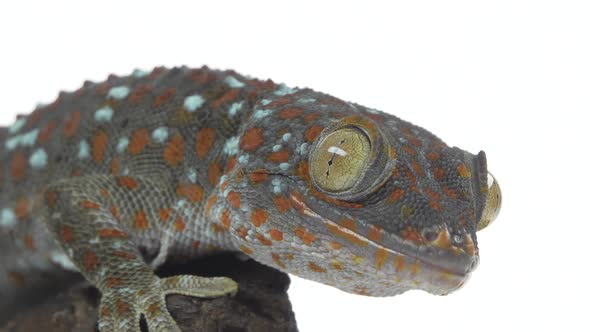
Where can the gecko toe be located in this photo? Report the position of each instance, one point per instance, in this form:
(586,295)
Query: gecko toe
(199,286)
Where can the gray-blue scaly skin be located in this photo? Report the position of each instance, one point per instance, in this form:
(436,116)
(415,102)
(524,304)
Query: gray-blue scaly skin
(184,162)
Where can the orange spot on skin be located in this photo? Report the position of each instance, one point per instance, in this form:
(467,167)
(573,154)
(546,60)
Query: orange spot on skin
(72,122)
(51,198)
(192,192)
(396,195)
(298,202)
(258,176)
(99,145)
(234,199)
(66,234)
(89,260)
(347,235)
(214,173)
(433,156)
(279,156)
(335,245)
(291,113)
(139,93)
(304,235)
(438,173)
(252,139)
(303,170)
(282,203)
(225,219)
(225,98)
(348,224)
(434,199)
(399,263)
(164,214)
(313,132)
(316,268)
(21,209)
(450,192)
(259,217)
(246,250)
(18,166)
(124,254)
(179,224)
(105,312)
(276,235)
(29,243)
(153,310)
(112,233)
(277,259)
(46,132)
(414,268)
(231,164)
(409,150)
(196,244)
(115,166)
(412,235)
(17,278)
(105,193)
(113,282)
(375,233)
(336,265)
(115,213)
(122,307)
(89,205)
(164,97)
(210,203)
(140,220)
(263,240)
(311,117)
(463,171)
(417,168)
(204,141)
(174,151)
(139,140)
(380,257)
(414,141)
(126,182)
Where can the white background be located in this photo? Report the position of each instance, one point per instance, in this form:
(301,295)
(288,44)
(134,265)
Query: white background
(509,77)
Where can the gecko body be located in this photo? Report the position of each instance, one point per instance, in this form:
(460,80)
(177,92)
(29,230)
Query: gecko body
(114,179)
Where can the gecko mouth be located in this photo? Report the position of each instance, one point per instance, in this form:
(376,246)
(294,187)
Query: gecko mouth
(439,270)
(435,270)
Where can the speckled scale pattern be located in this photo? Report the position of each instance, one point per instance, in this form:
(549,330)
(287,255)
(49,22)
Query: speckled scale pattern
(117,177)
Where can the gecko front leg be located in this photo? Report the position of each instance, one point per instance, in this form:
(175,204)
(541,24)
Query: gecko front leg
(99,220)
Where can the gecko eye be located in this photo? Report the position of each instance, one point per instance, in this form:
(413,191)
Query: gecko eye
(493,203)
(340,160)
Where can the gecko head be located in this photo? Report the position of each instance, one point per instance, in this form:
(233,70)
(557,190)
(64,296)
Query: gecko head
(360,199)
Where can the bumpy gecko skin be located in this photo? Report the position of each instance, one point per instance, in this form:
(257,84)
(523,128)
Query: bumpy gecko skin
(117,177)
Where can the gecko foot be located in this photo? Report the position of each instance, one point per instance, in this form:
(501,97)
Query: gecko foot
(120,310)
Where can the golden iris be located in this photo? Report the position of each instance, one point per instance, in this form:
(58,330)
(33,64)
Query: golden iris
(340,160)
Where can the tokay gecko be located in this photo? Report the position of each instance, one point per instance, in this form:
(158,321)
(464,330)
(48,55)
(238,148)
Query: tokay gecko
(118,177)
